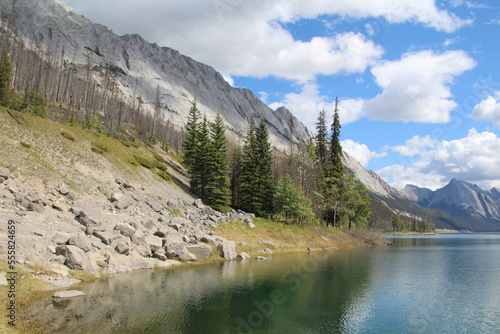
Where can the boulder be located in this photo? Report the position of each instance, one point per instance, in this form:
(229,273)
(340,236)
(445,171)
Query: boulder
(61,238)
(179,251)
(5,173)
(81,242)
(160,254)
(153,242)
(115,197)
(209,239)
(198,203)
(125,229)
(106,237)
(122,248)
(124,202)
(173,237)
(265,242)
(143,249)
(63,189)
(68,294)
(228,250)
(155,206)
(261,258)
(243,256)
(76,258)
(202,251)
(268,251)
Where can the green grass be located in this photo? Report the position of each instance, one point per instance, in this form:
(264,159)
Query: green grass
(164,175)
(67,136)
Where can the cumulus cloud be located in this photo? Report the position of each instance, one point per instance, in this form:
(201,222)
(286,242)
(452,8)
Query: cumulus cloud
(488,110)
(473,158)
(246,37)
(416,88)
(415,145)
(360,152)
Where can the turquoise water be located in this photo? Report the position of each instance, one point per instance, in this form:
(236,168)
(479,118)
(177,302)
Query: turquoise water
(425,284)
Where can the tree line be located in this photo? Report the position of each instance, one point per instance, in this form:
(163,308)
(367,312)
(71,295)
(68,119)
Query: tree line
(304,185)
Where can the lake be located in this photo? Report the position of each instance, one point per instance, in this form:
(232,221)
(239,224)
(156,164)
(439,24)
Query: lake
(448,283)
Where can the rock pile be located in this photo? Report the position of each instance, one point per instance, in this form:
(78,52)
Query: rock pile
(123,231)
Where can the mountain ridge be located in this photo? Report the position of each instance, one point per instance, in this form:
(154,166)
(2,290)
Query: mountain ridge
(475,208)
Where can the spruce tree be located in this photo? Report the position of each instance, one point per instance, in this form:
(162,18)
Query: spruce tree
(336,167)
(5,76)
(218,187)
(249,188)
(264,156)
(202,164)
(321,147)
(191,142)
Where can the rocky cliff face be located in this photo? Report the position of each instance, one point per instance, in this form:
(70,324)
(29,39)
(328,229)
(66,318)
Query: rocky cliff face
(141,68)
(474,208)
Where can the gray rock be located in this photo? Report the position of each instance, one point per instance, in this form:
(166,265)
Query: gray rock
(106,237)
(61,238)
(261,258)
(36,207)
(202,251)
(155,206)
(115,197)
(228,250)
(124,202)
(75,257)
(143,249)
(125,229)
(268,251)
(265,242)
(173,237)
(179,251)
(243,256)
(63,189)
(80,242)
(51,248)
(153,242)
(68,294)
(198,203)
(122,248)
(5,173)
(160,254)
(209,239)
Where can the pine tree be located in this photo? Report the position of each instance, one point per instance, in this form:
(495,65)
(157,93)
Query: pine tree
(5,76)
(336,167)
(218,185)
(202,163)
(249,188)
(264,161)
(321,148)
(191,142)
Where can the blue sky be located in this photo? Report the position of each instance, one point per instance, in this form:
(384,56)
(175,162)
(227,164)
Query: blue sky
(418,81)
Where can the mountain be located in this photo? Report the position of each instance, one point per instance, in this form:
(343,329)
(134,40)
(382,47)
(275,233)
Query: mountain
(161,76)
(142,69)
(475,209)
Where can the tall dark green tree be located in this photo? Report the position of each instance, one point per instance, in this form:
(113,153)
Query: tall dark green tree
(202,165)
(191,142)
(336,168)
(249,186)
(321,139)
(218,187)
(264,155)
(5,76)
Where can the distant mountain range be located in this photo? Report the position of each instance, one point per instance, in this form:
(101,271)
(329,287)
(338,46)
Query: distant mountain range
(471,207)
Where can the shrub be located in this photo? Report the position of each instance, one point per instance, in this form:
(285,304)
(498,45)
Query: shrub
(145,162)
(67,136)
(158,157)
(37,104)
(164,175)
(99,148)
(23,144)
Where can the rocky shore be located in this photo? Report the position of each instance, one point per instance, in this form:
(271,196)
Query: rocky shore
(123,227)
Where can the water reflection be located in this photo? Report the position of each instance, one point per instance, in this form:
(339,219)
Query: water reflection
(418,286)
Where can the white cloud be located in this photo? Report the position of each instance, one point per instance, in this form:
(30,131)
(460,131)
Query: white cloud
(308,102)
(488,110)
(473,158)
(245,38)
(416,88)
(415,145)
(360,152)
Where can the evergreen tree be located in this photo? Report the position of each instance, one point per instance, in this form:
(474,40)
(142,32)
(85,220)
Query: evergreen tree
(191,142)
(202,165)
(264,156)
(218,187)
(336,168)
(249,189)
(321,148)
(5,76)
(290,202)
